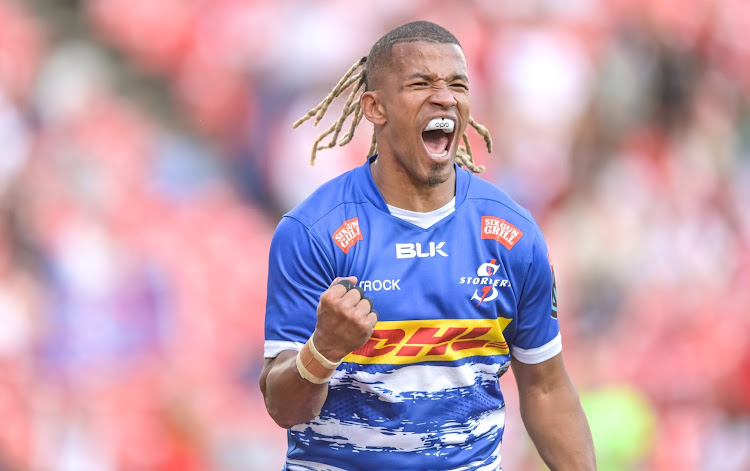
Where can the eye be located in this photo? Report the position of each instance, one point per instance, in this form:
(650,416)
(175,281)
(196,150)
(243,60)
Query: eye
(461,86)
(420,84)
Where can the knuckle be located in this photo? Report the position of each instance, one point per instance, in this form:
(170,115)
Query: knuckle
(353,296)
(366,303)
(349,316)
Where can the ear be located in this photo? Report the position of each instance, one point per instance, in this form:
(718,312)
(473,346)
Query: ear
(373,108)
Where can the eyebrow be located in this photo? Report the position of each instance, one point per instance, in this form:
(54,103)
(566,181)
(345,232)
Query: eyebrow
(432,77)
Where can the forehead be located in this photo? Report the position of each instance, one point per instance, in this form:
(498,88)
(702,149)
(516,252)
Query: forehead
(440,59)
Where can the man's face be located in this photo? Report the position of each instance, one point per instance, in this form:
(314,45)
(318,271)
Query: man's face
(423,81)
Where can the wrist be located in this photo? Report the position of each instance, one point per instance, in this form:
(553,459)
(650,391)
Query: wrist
(313,366)
(330,353)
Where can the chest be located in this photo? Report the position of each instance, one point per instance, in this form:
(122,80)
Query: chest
(445,272)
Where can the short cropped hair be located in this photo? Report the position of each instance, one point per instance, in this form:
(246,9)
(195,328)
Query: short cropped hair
(416,31)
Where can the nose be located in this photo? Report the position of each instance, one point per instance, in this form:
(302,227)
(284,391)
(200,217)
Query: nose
(443,97)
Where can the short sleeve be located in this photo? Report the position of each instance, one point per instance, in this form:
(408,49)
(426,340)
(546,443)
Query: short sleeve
(298,272)
(538,333)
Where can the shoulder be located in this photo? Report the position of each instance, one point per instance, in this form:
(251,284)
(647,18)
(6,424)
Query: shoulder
(499,209)
(328,198)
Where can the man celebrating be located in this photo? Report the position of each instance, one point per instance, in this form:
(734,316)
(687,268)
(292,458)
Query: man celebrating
(458,274)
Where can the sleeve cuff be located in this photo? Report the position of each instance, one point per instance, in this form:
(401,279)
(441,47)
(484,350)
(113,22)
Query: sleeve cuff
(272,348)
(537,355)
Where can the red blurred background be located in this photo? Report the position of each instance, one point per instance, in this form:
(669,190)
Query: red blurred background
(147,154)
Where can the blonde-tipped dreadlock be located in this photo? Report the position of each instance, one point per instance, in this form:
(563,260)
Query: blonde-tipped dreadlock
(356,79)
(349,79)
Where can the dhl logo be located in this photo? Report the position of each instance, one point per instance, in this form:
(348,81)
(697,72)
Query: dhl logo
(401,342)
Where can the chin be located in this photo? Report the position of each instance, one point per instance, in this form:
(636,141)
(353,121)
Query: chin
(439,173)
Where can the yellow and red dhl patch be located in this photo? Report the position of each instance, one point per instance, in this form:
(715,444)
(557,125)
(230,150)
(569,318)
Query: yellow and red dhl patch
(500,230)
(402,342)
(347,235)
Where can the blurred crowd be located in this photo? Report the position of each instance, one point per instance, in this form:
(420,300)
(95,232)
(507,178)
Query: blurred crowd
(133,251)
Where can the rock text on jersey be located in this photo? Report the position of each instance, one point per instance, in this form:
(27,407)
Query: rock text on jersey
(379,285)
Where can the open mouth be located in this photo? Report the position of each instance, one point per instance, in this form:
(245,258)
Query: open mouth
(438,136)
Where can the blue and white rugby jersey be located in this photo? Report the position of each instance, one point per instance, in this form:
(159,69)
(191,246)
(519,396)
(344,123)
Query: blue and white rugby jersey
(454,301)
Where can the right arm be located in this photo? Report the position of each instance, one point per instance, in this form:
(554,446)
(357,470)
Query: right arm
(344,323)
(290,399)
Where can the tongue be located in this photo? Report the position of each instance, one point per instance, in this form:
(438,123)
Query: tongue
(435,141)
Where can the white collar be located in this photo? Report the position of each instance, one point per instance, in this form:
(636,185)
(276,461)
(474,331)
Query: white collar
(424,220)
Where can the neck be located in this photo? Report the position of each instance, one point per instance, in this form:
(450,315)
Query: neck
(402,191)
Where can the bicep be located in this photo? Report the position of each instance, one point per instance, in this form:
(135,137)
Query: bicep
(552,414)
(270,364)
(540,378)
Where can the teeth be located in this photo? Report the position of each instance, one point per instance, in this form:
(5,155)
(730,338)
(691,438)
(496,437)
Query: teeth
(444,124)
(442,154)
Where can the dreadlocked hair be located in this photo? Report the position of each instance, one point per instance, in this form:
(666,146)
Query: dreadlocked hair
(359,79)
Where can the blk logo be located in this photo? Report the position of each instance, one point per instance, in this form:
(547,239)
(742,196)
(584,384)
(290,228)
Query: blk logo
(409,250)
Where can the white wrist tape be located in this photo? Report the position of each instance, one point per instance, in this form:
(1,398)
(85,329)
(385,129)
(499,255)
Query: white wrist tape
(313,366)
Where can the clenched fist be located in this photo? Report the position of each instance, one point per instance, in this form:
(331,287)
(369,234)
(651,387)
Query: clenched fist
(345,319)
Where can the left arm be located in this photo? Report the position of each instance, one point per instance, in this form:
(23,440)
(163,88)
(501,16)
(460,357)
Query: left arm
(553,416)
